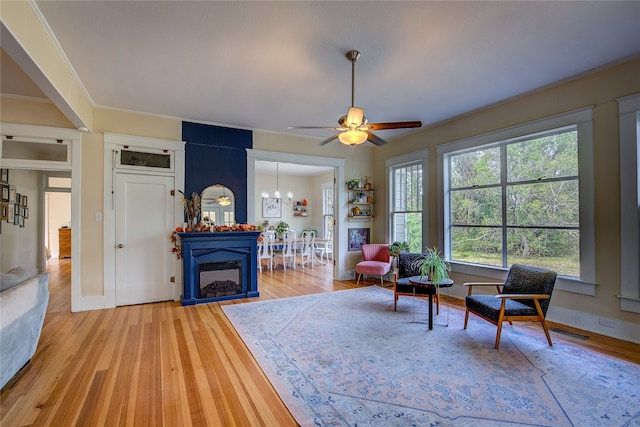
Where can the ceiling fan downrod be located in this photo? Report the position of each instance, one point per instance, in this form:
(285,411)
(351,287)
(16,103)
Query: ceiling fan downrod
(353,56)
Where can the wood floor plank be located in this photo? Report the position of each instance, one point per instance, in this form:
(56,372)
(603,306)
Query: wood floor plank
(164,364)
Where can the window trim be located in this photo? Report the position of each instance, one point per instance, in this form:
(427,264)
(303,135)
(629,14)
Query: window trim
(398,161)
(629,122)
(582,119)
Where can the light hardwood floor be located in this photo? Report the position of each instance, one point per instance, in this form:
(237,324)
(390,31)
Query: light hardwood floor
(164,364)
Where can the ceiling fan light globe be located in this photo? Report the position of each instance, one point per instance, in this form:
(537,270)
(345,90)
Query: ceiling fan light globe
(353,137)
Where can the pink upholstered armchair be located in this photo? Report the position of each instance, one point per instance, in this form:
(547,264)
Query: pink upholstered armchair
(375,260)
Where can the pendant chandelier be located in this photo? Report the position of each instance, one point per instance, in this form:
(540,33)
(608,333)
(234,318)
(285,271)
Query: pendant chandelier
(277,193)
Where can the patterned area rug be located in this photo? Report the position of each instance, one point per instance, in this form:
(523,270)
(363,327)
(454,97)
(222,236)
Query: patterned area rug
(347,359)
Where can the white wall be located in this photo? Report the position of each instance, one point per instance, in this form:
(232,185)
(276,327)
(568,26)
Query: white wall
(302,187)
(20,244)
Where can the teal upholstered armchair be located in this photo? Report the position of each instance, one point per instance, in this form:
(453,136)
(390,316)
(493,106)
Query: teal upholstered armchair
(525,296)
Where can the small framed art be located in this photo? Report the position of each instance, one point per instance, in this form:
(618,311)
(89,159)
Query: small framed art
(358,237)
(4,176)
(271,207)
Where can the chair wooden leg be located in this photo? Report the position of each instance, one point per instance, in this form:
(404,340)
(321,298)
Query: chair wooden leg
(382,281)
(544,324)
(395,301)
(358,279)
(500,320)
(466,318)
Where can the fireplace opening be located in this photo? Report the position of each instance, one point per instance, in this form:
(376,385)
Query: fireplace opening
(219,279)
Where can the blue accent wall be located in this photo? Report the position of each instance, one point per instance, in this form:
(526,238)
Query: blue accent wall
(217,155)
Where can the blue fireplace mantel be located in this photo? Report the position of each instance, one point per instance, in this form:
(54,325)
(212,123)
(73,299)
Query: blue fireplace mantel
(211,247)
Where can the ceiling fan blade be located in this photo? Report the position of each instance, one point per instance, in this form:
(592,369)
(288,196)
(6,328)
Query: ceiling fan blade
(394,125)
(328,140)
(313,127)
(375,139)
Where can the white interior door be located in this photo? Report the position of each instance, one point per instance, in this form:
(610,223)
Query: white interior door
(144,261)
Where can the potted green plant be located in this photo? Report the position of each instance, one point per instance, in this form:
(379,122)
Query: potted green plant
(353,183)
(433,265)
(394,250)
(281,228)
(396,247)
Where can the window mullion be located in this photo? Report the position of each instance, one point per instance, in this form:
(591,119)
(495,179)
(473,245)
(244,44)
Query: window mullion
(503,183)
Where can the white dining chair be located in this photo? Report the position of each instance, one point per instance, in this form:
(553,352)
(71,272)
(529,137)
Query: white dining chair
(265,250)
(307,251)
(288,249)
(325,249)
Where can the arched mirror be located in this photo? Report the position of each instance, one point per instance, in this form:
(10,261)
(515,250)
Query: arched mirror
(218,205)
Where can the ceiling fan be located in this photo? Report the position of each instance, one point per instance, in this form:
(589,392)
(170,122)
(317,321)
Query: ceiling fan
(354,127)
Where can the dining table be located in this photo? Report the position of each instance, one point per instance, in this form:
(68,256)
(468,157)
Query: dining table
(299,241)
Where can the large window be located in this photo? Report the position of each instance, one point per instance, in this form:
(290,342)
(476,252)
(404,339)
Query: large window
(517,202)
(406,196)
(522,195)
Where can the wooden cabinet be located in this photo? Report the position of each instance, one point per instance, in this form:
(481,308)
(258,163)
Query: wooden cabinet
(64,242)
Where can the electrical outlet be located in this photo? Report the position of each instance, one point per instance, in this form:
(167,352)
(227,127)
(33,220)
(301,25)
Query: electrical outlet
(607,322)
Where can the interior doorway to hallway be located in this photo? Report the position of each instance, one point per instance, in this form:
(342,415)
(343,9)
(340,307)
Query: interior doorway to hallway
(57,216)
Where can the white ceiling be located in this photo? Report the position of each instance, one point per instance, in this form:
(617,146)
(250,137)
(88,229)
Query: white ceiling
(267,65)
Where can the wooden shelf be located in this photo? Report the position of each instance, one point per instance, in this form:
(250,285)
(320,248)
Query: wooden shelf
(357,199)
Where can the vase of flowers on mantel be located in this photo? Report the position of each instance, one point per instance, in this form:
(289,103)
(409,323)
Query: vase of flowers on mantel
(191,210)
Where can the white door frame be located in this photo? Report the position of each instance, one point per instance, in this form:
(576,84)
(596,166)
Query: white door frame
(340,197)
(113,142)
(75,167)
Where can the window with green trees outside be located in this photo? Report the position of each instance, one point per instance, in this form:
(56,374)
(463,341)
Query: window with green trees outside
(517,201)
(406,204)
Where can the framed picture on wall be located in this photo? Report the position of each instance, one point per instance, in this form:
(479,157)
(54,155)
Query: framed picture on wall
(271,207)
(4,211)
(4,176)
(23,202)
(5,193)
(12,193)
(357,238)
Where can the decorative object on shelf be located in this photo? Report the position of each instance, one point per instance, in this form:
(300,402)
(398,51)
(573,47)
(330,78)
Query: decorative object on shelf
(191,208)
(358,237)
(271,207)
(433,265)
(300,208)
(367,182)
(359,197)
(353,183)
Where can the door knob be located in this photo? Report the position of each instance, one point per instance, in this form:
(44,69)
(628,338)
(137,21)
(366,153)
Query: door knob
(120,246)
